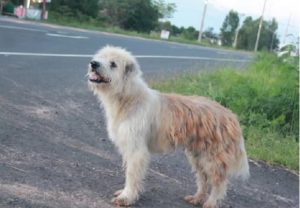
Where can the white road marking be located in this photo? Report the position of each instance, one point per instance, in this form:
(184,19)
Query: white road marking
(222,52)
(44,31)
(45,54)
(21,28)
(138,56)
(66,36)
(192,58)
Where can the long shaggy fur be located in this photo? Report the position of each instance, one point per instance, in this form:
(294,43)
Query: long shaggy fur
(141,121)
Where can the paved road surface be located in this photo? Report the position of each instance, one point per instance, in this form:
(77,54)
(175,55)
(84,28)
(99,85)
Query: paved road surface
(54,150)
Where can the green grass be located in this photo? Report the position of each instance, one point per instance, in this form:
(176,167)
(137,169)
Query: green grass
(272,147)
(264,96)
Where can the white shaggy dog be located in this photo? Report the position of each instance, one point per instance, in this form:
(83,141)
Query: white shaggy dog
(141,121)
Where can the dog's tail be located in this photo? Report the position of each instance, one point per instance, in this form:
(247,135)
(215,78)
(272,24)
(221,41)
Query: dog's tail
(242,170)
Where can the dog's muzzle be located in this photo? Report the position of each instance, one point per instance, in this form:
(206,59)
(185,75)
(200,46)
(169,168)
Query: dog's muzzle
(94,75)
(95,65)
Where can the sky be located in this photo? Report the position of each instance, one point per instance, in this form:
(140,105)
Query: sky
(189,13)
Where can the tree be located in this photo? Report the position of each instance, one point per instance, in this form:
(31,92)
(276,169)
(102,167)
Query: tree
(113,12)
(248,32)
(8,8)
(229,27)
(175,30)
(190,33)
(17,2)
(209,33)
(139,15)
(164,26)
(271,40)
(77,9)
(142,15)
(165,10)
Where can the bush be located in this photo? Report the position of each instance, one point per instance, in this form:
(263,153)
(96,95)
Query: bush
(75,9)
(9,7)
(190,33)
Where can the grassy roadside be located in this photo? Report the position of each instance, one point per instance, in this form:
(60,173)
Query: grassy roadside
(265,97)
(93,24)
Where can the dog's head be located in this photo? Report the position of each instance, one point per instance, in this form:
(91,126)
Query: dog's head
(111,69)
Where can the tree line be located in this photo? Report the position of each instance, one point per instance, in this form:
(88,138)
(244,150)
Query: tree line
(137,15)
(245,36)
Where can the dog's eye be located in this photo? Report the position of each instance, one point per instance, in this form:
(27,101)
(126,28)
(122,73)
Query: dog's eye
(113,64)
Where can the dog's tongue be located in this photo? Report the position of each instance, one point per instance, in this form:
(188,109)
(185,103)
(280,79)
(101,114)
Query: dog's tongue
(93,77)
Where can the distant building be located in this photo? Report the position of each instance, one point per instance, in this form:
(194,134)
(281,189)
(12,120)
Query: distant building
(33,10)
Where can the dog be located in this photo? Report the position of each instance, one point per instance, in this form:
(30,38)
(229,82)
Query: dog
(141,121)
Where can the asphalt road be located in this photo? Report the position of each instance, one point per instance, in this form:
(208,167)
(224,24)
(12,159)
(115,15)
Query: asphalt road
(54,150)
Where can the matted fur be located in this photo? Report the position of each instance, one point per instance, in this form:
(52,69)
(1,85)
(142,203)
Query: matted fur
(141,121)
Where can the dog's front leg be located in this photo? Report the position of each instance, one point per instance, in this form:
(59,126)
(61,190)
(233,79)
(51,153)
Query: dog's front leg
(136,163)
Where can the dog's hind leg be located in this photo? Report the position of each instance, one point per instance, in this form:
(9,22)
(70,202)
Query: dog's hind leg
(218,192)
(201,180)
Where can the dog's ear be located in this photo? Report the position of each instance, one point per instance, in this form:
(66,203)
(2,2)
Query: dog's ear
(129,68)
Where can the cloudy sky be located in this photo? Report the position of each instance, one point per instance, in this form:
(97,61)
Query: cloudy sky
(189,13)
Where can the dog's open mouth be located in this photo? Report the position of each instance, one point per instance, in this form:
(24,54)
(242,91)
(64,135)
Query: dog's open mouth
(97,78)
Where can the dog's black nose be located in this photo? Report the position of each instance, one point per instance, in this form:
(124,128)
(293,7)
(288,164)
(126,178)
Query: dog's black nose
(95,64)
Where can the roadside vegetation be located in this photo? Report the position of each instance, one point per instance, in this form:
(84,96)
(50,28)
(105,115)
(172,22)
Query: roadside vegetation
(93,24)
(265,97)
(147,18)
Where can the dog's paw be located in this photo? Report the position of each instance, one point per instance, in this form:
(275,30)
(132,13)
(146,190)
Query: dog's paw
(120,201)
(122,198)
(117,201)
(195,199)
(209,205)
(191,199)
(117,193)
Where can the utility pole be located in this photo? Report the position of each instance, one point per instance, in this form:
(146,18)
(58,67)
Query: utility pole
(202,21)
(26,4)
(237,33)
(44,10)
(286,29)
(259,27)
(272,40)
